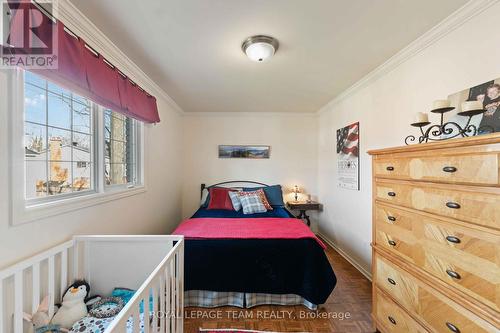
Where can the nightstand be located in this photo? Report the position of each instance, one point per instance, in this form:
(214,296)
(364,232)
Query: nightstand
(303,207)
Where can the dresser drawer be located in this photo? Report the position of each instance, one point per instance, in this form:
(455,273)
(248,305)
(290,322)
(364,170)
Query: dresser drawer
(394,230)
(478,169)
(465,258)
(436,310)
(445,316)
(401,286)
(394,319)
(462,204)
(392,168)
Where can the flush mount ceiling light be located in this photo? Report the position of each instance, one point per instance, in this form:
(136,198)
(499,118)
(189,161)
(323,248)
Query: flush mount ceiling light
(260,48)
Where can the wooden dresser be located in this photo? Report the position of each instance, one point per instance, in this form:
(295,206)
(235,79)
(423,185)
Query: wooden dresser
(436,236)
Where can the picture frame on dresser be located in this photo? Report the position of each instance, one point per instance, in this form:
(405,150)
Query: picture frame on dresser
(436,236)
(488,93)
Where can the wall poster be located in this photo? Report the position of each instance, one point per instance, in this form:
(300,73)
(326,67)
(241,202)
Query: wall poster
(348,157)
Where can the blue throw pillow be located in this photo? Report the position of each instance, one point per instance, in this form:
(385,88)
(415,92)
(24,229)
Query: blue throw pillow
(273,193)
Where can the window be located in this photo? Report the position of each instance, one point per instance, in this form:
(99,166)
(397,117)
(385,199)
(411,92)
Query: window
(120,149)
(58,144)
(72,147)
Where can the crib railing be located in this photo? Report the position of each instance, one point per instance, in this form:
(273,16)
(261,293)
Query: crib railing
(164,291)
(23,285)
(11,317)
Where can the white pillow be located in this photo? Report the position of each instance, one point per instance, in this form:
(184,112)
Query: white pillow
(235,200)
(204,196)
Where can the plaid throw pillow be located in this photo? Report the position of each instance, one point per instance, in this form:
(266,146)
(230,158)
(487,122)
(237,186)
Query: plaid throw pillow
(251,203)
(262,195)
(235,200)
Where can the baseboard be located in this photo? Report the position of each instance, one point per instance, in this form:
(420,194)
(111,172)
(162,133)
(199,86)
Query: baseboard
(347,257)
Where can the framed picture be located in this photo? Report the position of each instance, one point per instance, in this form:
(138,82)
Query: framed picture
(348,157)
(253,152)
(488,93)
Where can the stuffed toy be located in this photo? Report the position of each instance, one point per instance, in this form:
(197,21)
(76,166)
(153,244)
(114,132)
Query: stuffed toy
(41,320)
(73,307)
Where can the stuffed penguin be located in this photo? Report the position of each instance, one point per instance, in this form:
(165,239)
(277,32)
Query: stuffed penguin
(73,307)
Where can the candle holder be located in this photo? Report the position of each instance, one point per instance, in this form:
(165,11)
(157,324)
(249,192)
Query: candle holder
(436,131)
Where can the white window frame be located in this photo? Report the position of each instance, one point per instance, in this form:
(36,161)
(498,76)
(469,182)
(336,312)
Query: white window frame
(138,129)
(24,211)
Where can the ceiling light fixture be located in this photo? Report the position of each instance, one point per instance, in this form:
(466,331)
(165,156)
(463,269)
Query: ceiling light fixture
(260,48)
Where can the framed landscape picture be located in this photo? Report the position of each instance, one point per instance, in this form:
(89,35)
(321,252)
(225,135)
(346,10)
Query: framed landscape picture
(244,151)
(348,157)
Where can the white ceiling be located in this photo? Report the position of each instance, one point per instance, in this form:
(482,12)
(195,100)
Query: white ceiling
(191,48)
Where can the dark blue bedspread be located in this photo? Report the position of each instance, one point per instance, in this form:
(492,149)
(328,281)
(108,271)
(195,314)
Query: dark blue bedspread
(271,266)
(222,213)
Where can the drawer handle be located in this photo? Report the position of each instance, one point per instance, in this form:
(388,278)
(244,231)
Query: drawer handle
(391,218)
(391,194)
(391,281)
(449,169)
(452,327)
(453,239)
(453,205)
(453,274)
(390,168)
(392,243)
(392,320)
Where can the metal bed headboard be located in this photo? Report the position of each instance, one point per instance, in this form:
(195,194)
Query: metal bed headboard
(204,186)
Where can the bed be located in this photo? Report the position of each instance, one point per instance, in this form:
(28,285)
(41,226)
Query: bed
(246,271)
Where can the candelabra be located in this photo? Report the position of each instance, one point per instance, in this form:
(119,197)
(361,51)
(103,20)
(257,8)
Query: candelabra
(448,130)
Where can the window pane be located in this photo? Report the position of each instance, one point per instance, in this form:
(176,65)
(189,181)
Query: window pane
(81,118)
(36,179)
(59,177)
(34,102)
(81,143)
(81,100)
(59,144)
(35,142)
(34,80)
(58,152)
(119,149)
(59,111)
(116,174)
(118,152)
(82,175)
(107,124)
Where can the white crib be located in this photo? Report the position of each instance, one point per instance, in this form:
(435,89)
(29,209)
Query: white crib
(152,265)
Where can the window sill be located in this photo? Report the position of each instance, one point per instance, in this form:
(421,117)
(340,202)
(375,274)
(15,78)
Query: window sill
(28,214)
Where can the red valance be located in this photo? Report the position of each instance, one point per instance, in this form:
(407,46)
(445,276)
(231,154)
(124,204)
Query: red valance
(79,68)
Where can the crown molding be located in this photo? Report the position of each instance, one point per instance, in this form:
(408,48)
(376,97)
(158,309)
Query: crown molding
(75,20)
(448,25)
(250,114)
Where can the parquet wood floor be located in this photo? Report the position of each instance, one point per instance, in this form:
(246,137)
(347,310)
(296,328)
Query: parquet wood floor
(352,296)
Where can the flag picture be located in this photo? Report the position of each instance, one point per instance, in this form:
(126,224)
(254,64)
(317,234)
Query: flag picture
(348,157)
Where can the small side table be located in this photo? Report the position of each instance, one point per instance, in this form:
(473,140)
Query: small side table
(303,207)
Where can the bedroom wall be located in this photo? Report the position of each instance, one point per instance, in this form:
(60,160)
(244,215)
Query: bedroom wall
(157,211)
(465,57)
(293,142)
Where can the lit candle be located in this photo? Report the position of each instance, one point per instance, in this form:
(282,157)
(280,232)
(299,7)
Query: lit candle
(472,105)
(440,104)
(421,117)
